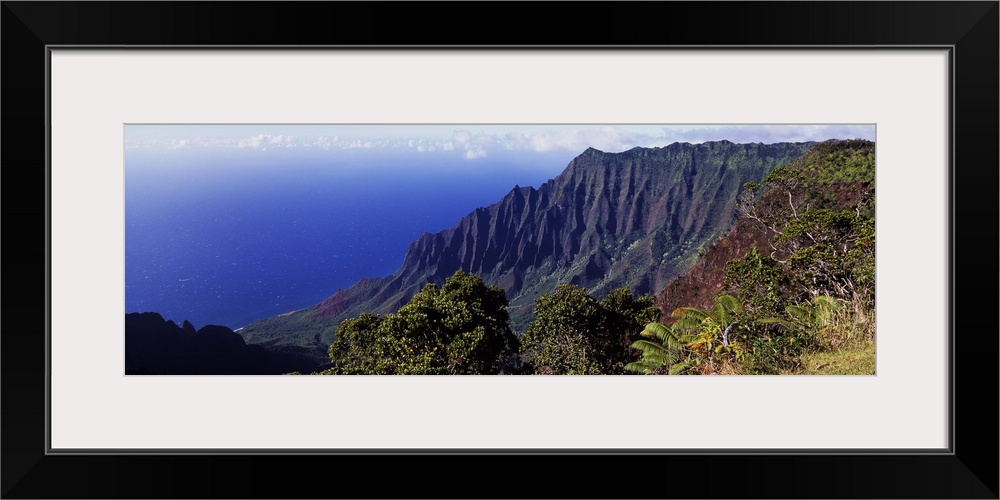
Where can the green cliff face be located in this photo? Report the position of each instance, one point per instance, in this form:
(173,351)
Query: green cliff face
(830,178)
(635,219)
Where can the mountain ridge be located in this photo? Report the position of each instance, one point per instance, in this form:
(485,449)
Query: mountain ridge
(634,219)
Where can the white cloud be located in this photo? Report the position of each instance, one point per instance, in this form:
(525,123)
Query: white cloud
(460,138)
(515,141)
(770,133)
(473,152)
(323,142)
(573,140)
(485,140)
(264,140)
(253,142)
(476,144)
(418,145)
(473,146)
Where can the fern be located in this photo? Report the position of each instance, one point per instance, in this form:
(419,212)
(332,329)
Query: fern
(695,335)
(665,350)
(648,347)
(678,368)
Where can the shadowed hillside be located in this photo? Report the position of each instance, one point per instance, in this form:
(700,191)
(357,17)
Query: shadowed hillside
(154,346)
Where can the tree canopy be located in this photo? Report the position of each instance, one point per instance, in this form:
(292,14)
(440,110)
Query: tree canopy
(574,333)
(459,328)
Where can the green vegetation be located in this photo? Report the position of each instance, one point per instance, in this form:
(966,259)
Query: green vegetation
(634,219)
(575,334)
(663,355)
(803,304)
(761,279)
(299,329)
(806,305)
(461,328)
(858,359)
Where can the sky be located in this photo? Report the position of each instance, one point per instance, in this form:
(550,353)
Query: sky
(228,224)
(469,141)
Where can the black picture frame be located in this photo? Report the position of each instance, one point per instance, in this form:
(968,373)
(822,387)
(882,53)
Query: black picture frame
(969,470)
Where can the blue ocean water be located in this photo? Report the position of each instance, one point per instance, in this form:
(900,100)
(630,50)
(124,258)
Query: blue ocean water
(231,239)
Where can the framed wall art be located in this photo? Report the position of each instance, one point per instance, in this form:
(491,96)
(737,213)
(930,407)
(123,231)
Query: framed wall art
(248,167)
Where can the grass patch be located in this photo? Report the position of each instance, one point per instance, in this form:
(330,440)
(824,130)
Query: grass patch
(857,359)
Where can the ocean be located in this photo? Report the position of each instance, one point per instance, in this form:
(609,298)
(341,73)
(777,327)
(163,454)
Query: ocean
(232,239)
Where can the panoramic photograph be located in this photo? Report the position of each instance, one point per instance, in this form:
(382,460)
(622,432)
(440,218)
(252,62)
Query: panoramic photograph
(489,249)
